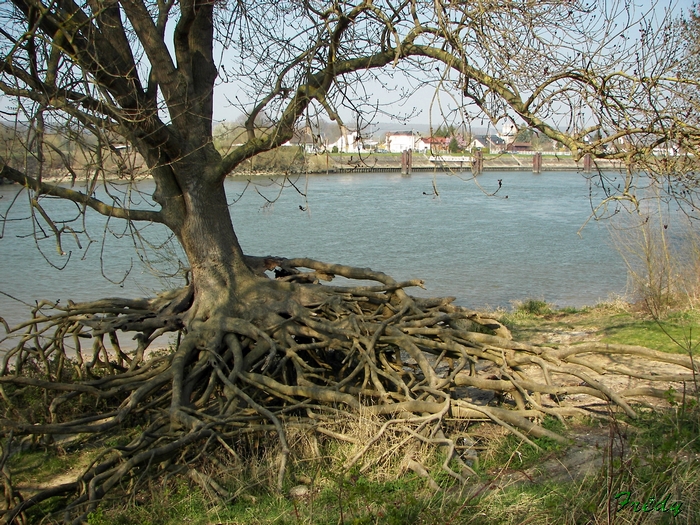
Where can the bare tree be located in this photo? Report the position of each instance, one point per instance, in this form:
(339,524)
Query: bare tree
(254,351)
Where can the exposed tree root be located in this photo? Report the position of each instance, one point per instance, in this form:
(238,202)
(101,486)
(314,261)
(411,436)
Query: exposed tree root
(368,349)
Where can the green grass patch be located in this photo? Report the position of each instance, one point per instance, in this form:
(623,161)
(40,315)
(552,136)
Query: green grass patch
(671,430)
(350,499)
(40,465)
(530,503)
(676,333)
(169,505)
(534,307)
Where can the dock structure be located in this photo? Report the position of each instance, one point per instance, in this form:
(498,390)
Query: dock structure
(451,161)
(478,163)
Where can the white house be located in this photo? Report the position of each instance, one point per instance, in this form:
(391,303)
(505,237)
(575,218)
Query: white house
(399,141)
(666,150)
(305,138)
(351,142)
(508,132)
(477,143)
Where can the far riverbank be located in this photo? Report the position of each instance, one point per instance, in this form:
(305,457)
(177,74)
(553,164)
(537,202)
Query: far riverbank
(289,161)
(387,163)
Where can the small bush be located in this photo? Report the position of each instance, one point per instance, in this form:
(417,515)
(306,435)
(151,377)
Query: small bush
(533,307)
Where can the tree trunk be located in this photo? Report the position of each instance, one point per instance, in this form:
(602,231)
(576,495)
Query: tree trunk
(220,275)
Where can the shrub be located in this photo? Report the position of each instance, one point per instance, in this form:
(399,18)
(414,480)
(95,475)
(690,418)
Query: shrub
(533,307)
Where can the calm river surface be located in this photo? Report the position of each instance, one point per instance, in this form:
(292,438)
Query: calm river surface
(485,250)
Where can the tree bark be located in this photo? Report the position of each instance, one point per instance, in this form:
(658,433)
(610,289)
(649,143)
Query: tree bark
(220,275)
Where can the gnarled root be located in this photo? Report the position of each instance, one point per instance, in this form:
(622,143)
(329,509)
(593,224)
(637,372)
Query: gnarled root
(420,364)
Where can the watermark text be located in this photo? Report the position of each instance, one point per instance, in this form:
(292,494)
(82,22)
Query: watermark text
(660,505)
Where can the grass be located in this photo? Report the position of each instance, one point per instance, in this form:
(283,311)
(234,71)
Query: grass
(659,457)
(609,323)
(653,456)
(38,464)
(665,432)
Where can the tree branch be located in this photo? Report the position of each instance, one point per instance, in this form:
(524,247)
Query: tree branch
(154,46)
(43,188)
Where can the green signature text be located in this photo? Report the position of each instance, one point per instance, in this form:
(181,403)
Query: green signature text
(625,498)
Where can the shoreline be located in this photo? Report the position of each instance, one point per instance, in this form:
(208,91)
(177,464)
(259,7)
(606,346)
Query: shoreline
(345,164)
(338,164)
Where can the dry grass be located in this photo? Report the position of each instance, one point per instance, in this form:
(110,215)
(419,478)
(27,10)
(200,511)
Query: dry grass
(514,483)
(661,251)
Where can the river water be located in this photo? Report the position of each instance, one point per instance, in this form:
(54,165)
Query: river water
(487,251)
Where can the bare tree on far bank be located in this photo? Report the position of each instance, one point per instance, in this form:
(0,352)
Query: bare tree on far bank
(256,353)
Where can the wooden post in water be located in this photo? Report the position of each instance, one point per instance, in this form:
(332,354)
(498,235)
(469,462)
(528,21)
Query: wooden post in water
(587,163)
(478,163)
(537,163)
(406,162)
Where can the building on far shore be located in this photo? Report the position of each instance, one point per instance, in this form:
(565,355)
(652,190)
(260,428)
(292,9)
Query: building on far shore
(519,147)
(488,143)
(400,141)
(305,138)
(437,144)
(508,132)
(353,142)
(495,143)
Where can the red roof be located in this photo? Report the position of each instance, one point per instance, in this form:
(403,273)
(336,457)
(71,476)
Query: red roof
(438,141)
